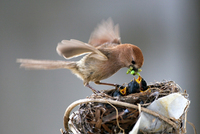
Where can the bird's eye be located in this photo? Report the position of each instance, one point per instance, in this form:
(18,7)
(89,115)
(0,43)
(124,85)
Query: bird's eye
(133,62)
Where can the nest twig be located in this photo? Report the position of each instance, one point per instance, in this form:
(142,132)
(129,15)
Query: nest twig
(118,103)
(102,113)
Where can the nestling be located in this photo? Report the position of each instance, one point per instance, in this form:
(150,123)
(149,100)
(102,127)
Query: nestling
(105,56)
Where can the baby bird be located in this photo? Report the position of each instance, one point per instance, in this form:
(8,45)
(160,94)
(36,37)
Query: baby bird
(105,56)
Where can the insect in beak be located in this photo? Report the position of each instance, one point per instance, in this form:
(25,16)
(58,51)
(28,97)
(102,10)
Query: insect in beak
(133,71)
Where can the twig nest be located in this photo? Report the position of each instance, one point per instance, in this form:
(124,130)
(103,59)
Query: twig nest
(108,113)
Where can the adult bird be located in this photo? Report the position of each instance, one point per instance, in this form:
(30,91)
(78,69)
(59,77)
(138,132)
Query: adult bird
(105,56)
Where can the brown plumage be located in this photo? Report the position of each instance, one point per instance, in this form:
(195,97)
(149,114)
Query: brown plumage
(105,56)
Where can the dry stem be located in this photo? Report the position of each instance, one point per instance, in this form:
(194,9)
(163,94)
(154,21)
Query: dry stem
(119,103)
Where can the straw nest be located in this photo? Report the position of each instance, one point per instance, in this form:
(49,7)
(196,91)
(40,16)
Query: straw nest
(103,113)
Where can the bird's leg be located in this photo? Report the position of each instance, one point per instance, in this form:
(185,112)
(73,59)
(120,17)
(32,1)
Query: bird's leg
(93,90)
(109,84)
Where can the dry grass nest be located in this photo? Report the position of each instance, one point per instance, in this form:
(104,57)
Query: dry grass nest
(103,113)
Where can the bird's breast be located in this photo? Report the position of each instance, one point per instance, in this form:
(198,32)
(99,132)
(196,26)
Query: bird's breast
(93,69)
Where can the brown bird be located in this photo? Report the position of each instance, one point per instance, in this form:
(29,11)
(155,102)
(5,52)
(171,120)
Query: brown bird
(105,56)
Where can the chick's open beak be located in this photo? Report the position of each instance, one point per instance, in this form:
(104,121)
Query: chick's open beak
(123,91)
(138,80)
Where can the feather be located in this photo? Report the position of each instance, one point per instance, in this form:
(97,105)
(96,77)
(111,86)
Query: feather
(73,48)
(45,64)
(105,32)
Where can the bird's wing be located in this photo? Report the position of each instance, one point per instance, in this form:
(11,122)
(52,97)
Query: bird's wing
(105,32)
(73,48)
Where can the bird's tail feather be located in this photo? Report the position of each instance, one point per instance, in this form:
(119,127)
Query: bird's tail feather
(45,64)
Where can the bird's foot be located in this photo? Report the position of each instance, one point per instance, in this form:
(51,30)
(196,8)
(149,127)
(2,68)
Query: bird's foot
(108,84)
(93,90)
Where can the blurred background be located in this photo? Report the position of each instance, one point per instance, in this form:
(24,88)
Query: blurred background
(168,32)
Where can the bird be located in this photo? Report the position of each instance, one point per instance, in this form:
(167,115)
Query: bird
(135,86)
(104,55)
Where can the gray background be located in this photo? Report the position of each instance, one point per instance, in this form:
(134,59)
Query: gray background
(34,101)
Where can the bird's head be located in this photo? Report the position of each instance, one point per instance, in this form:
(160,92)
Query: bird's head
(132,58)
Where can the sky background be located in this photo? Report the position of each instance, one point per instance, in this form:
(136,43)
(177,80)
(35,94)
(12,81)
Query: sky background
(33,102)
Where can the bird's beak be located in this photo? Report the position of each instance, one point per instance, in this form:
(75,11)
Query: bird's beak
(123,91)
(134,71)
(138,80)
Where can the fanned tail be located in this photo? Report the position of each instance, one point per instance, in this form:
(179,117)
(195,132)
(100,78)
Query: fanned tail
(46,64)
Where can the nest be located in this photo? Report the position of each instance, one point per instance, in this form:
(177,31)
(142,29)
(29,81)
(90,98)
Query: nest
(102,113)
